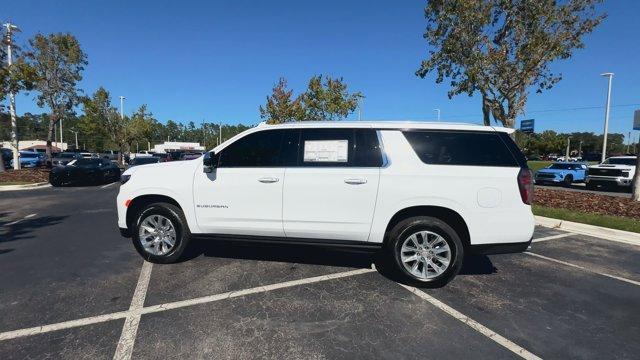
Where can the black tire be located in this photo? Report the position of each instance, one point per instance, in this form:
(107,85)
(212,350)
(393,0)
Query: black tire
(175,215)
(405,229)
(591,186)
(568,180)
(55,181)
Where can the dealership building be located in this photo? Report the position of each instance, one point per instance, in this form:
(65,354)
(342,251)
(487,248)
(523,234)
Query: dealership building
(169,146)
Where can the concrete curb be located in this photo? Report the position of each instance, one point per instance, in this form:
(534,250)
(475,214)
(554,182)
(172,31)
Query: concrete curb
(626,237)
(25,186)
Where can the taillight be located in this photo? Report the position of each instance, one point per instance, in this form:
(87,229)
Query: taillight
(525,184)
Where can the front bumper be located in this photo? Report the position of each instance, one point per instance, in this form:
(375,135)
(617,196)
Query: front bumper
(609,180)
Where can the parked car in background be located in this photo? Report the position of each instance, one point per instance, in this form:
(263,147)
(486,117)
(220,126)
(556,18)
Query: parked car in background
(30,159)
(7,156)
(162,156)
(144,160)
(616,171)
(565,173)
(88,155)
(64,158)
(111,155)
(190,156)
(85,171)
(424,199)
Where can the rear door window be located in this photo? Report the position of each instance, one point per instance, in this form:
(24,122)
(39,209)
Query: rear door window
(461,148)
(339,147)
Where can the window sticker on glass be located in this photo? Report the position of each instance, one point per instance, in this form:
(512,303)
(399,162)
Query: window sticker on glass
(326,150)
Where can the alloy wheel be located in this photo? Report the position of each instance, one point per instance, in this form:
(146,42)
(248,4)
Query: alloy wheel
(425,255)
(157,235)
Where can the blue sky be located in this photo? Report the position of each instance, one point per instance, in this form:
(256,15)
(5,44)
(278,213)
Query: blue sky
(217,60)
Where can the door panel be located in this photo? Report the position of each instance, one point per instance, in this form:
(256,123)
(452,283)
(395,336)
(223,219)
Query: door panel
(329,203)
(241,201)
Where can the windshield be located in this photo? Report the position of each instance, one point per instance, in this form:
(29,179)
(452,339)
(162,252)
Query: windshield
(86,162)
(28,155)
(66,155)
(144,160)
(563,166)
(620,161)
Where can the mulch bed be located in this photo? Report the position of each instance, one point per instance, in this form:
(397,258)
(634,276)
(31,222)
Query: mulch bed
(588,203)
(25,175)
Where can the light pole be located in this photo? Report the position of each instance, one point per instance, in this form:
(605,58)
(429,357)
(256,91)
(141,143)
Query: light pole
(76,133)
(61,141)
(580,150)
(220,134)
(566,154)
(606,117)
(437,111)
(122,107)
(12,99)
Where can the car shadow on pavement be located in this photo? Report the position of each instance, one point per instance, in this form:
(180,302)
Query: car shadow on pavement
(23,229)
(316,255)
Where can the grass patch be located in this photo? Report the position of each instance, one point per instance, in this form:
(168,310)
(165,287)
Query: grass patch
(608,221)
(537,165)
(15,183)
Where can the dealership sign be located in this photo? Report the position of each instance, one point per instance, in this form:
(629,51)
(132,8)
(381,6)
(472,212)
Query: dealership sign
(527,126)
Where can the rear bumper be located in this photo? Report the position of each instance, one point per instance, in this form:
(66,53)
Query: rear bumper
(507,248)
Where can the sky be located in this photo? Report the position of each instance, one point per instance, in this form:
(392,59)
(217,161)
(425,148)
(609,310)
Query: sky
(216,61)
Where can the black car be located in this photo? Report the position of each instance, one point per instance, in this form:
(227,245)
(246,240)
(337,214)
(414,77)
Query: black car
(144,160)
(64,158)
(85,171)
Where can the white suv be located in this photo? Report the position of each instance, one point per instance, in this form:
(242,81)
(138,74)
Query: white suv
(425,193)
(618,171)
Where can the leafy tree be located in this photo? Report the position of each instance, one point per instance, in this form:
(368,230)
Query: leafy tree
(58,61)
(328,99)
(502,48)
(281,107)
(93,125)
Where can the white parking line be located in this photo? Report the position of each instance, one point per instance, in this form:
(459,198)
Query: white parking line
(19,220)
(130,328)
(508,344)
(174,305)
(552,237)
(583,268)
(106,186)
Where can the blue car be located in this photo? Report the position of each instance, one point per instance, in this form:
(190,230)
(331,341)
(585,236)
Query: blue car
(564,173)
(30,159)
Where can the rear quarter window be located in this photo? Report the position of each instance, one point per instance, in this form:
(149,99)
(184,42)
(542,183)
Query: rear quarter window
(462,148)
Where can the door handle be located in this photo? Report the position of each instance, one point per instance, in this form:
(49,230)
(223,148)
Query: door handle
(355,181)
(268,180)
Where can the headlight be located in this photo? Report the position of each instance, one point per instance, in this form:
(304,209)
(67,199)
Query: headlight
(124,178)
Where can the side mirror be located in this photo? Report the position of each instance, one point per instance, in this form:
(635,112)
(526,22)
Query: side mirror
(209,162)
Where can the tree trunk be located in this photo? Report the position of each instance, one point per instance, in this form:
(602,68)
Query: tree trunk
(486,111)
(1,163)
(636,180)
(52,123)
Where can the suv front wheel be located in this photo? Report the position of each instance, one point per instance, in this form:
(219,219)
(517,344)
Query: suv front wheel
(160,233)
(426,251)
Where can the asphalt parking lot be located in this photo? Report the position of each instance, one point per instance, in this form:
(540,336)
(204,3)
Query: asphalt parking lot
(71,287)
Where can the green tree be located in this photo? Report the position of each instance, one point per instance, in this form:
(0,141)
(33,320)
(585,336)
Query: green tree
(503,48)
(281,106)
(93,125)
(58,61)
(328,99)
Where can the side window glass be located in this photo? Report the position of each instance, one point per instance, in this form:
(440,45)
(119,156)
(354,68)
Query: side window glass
(326,147)
(368,152)
(260,149)
(460,148)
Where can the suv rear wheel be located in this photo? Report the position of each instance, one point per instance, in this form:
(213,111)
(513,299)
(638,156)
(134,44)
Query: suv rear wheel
(426,251)
(160,233)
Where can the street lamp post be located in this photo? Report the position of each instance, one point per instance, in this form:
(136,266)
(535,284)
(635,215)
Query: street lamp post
(606,117)
(566,154)
(122,107)
(438,112)
(76,133)
(12,100)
